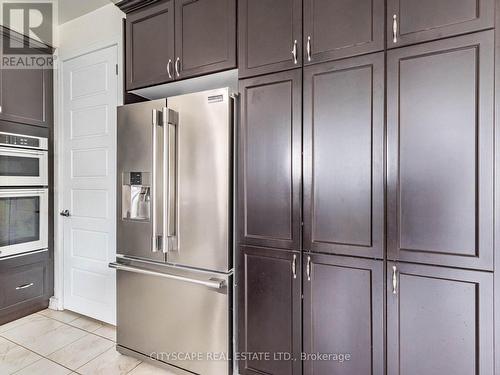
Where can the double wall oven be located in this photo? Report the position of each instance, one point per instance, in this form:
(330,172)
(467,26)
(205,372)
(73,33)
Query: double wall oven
(23,194)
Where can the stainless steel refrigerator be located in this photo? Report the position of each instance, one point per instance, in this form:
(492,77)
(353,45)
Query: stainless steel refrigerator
(174,231)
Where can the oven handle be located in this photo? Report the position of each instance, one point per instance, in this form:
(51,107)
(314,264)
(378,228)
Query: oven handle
(22,192)
(212,283)
(8,150)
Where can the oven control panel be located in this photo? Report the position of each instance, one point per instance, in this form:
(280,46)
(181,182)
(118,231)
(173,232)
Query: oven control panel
(24,141)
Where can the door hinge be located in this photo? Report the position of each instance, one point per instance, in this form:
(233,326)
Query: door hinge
(116,69)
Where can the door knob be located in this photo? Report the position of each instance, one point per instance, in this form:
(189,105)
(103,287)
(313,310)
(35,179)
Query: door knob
(65,213)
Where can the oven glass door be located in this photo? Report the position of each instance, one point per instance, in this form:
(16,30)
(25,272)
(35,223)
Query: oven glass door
(20,167)
(23,221)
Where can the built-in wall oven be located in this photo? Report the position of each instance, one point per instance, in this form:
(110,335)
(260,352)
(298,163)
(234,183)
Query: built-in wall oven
(23,194)
(23,221)
(23,160)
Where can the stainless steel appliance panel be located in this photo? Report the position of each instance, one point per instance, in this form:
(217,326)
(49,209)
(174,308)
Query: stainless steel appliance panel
(204,166)
(139,179)
(23,160)
(164,310)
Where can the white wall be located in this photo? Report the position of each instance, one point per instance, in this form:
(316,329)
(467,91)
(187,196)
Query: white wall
(91,29)
(96,30)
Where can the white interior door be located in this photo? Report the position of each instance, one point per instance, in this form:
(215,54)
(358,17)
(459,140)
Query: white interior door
(89,169)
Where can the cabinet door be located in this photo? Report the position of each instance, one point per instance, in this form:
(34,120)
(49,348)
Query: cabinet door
(342,28)
(270,31)
(150,45)
(440,152)
(26,96)
(270,160)
(439,321)
(343,315)
(344,157)
(410,22)
(269,311)
(205,36)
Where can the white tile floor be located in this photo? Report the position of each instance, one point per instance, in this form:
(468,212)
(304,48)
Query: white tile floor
(61,343)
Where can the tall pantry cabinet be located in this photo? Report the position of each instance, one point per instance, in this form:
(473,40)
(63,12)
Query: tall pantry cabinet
(366,186)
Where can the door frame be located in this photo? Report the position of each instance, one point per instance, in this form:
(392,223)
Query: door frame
(57,300)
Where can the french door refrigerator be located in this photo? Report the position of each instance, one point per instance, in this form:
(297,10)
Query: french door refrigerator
(174,231)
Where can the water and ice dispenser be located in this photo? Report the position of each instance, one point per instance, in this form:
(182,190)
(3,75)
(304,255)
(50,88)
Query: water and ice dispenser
(136,196)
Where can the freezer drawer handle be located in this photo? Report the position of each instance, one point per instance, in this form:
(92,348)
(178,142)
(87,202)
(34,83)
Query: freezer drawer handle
(212,283)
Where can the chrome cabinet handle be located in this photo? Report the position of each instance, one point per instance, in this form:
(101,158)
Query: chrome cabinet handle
(294,52)
(394,280)
(169,71)
(308,48)
(25,286)
(211,283)
(178,66)
(294,266)
(169,161)
(394,28)
(308,268)
(155,239)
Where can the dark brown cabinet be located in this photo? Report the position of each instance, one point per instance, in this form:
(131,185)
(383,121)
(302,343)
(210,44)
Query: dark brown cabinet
(410,22)
(150,45)
(269,285)
(270,36)
(439,321)
(26,96)
(25,285)
(270,160)
(205,36)
(343,315)
(440,152)
(342,28)
(344,157)
(179,39)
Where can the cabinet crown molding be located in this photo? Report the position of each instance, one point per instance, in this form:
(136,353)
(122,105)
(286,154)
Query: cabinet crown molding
(128,6)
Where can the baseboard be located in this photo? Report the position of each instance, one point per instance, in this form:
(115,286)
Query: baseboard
(55,304)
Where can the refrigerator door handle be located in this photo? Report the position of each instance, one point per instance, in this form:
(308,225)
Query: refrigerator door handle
(169,183)
(155,238)
(211,283)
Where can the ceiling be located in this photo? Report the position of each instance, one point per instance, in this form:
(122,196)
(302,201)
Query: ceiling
(71,9)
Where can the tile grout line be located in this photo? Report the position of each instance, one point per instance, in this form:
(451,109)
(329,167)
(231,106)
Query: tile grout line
(69,325)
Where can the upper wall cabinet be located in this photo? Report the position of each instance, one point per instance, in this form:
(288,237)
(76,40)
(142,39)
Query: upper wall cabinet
(205,36)
(26,96)
(179,39)
(342,28)
(270,160)
(410,22)
(150,45)
(344,157)
(270,36)
(440,152)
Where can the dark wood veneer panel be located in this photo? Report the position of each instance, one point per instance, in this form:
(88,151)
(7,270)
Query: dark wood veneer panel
(444,316)
(344,314)
(149,45)
(425,20)
(342,28)
(205,36)
(269,310)
(440,150)
(344,157)
(267,31)
(270,163)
